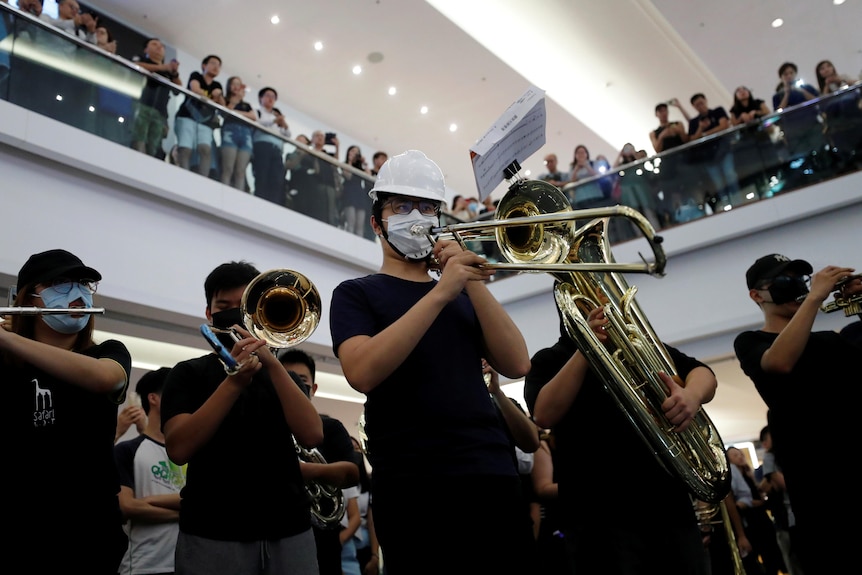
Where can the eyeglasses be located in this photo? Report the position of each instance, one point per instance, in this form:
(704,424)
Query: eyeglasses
(64,285)
(404,206)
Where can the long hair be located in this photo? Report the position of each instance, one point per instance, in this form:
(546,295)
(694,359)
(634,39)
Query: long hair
(821,80)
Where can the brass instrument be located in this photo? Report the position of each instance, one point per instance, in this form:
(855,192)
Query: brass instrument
(708,515)
(850,303)
(32,310)
(537,231)
(587,277)
(283,308)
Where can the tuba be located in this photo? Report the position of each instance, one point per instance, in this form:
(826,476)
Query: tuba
(283,308)
(628,366)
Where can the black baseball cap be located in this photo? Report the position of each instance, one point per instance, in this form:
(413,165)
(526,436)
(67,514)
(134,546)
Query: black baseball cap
(54,264)
(772,266)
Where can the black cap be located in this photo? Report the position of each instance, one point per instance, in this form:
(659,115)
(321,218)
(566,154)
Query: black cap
(55,264)
(772,266)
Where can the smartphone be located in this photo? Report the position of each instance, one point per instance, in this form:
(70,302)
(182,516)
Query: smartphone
(230,363)
(329,137)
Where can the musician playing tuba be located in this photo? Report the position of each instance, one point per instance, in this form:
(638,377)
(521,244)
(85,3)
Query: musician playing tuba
(809,380)
(620,506)
(337,470)
(244,500)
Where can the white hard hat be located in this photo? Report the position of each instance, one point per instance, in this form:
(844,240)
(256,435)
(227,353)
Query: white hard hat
(410,174)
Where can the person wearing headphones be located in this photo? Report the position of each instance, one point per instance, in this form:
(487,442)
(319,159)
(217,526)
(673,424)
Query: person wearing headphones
(414,345)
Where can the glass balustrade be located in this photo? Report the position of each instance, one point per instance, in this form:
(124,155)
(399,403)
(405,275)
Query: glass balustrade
(49,72)
(59,76)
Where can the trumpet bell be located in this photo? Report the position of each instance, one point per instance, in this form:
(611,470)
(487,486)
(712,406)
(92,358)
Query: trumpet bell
(535,243)
(282,307)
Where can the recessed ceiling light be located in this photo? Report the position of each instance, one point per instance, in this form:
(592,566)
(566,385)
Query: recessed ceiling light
(275,19)
(393,90)
(318,46)
(357,70)
(423,110)
(528,173)
(777,23)
(838,2)
(453,127)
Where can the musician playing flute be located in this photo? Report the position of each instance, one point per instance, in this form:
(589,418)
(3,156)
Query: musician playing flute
(414,345)
(61,392)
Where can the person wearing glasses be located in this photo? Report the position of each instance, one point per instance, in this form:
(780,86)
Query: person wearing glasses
(809,381)
(61,392)
(413,344)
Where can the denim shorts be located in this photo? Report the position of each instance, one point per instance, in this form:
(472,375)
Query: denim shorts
(191,134)
(236,136)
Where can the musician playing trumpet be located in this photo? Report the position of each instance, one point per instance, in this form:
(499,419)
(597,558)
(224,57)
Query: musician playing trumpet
(413,345)
(622,512)
(810,382)
(61,392)
(244,507)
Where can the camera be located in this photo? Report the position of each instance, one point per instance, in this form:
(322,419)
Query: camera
(329,138)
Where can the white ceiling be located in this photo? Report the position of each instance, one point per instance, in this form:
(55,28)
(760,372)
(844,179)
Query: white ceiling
(604,64)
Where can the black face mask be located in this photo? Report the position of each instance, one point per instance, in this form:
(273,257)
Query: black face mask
(225,320)
(785,289)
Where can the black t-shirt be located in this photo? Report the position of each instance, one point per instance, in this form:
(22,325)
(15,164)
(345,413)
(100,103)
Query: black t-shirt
(244,484)
(827,372)
(605,470)
(198,111)
(670,141)
(62,442)
(155,94)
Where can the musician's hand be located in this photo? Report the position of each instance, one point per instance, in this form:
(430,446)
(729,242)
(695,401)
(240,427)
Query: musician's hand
(491,377)
(680,407)
(598,322)
(823,282)
(458,267)
(248,352)
(852,287)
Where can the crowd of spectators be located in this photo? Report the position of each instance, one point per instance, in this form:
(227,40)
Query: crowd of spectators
(251,150)
(218,134)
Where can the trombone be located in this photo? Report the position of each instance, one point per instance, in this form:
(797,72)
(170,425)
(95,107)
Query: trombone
(537,231)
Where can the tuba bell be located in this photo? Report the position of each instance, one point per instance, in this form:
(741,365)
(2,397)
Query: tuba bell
(629,369)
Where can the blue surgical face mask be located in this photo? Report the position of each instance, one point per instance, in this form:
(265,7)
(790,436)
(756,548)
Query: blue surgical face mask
(66,323)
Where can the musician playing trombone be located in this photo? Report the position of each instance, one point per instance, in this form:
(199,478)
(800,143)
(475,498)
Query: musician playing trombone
(414,345)
(244,507)
(622,512)
(810,382)
(61,392)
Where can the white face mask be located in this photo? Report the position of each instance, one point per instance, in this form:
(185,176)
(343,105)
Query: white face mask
(408,234)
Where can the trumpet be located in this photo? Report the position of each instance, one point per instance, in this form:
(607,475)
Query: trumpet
(851,303)
(32,310)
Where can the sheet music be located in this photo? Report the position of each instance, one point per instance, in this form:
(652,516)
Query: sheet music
(516,135)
